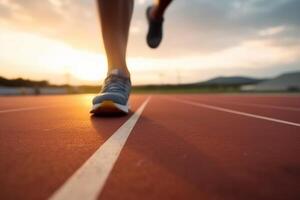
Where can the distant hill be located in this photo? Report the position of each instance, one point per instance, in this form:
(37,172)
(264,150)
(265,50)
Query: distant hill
(231,80)
(285,82)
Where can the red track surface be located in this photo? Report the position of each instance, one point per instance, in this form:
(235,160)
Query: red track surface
(175,151)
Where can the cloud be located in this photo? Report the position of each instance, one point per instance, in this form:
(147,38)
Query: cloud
(218,35)
(204,26)
(73,21)
(272,31)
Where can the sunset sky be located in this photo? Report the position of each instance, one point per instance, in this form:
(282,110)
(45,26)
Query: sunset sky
(48,39)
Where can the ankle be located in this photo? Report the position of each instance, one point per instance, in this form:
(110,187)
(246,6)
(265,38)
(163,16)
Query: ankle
(120,71)
(155,13)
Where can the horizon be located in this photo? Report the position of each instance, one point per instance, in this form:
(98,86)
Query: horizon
(42,41)
(165,84)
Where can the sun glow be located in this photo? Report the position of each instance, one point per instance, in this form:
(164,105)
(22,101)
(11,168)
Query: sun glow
(41,55)
(89,67)
(34,56)
(79,64)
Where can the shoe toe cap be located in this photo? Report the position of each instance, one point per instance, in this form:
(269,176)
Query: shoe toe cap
(115,97)
(154,42)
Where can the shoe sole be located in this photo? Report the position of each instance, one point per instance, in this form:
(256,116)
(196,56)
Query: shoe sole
(109,107)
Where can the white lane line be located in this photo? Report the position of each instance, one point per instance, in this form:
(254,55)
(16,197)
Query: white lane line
(24,109)
(236,112)
(259,105)
(266,106)
(88,181)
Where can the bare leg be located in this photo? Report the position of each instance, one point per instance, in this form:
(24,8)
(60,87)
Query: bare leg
(115,16)
(159,8)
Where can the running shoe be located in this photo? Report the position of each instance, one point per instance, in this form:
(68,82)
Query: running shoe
(114,95)
(155,31)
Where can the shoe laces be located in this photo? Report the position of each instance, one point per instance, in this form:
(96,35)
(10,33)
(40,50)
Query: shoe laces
(115,83)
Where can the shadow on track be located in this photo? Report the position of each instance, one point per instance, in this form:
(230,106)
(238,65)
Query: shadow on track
(110,115)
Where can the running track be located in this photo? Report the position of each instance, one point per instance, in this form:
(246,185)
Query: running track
(169,147)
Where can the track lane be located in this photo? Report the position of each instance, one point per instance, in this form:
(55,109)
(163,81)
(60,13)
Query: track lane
(40,149)
(178,151)
(281,114)
(175,152)
(17,102)
(87,182)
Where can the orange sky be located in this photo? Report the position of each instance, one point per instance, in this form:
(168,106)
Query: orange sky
(203,39)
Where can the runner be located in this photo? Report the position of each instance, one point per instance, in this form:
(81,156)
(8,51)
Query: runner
(115,17)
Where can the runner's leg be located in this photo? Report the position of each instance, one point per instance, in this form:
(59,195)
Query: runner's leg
(115,16)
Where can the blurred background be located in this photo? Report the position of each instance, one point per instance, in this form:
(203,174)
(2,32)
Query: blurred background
(219,45)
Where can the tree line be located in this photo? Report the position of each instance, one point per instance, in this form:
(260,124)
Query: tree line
(20,82)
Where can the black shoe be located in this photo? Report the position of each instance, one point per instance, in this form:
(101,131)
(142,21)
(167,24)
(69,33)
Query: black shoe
(155,32)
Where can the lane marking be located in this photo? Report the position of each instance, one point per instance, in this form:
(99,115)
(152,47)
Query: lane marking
(236,112)
(88,181)
(258,105)
(24,109)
